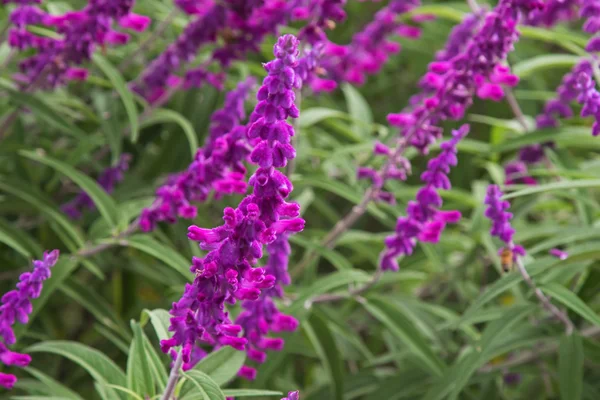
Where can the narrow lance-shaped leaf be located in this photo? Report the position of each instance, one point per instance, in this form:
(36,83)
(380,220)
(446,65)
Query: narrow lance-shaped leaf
(106,205)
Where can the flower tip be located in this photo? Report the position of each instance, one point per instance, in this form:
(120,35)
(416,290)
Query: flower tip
(561,255)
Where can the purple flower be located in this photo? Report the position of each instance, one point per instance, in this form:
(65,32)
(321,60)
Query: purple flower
(554,12)
(108,180)
(424,221)
(262,317)
(516,173)
(16,307)
(241,26)
(81,31)
(321,15)
(276,98)
(202,30)
(477,70)
(497,212)
(292,396)
(227,272)
(558,253)
(217,167)
(370,48)
(460,36)
(589,98)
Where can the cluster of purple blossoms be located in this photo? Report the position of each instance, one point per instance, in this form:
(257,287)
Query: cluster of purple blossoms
(237,27)
(554,12)
(497,212)
(108,180)
(424,221)
(321,15)
(590,10)
(16,307)
(203,29)
(228,273)
(369,49)
(218,166)
(81,31)
(578,85)
(460,35)
(477,70)
(260,317)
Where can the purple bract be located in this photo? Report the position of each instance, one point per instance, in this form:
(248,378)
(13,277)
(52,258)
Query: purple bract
(16,307)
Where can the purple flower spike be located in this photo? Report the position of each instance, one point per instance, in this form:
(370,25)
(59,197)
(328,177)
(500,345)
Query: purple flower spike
(276,103)
(228,273)
(424,221)
(369,49)
(498,213)
(80,33)
(108,180)
(477,70)
(16,307)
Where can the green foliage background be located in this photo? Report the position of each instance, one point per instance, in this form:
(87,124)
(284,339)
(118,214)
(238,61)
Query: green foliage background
(437,329)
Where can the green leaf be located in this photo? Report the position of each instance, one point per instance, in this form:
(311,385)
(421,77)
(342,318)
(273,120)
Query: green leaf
(124,390)
(109,121)
(40,201)
(106,205)
(554,186)
(29,244)
(349,193)
(503,284)
(324,285)
(222,365)
(250,393)
(312,116)
(96,305)
(121,87)
(163,115)
(546,61)
(7,239)
(54,386)
(156,365)
(209,389)
(325,346)
(98,365)
(399,325)
(139,376)
(43,110)
(160,320)
(359,109)
(572,301)
(161,252)
(570,367)
(335,258)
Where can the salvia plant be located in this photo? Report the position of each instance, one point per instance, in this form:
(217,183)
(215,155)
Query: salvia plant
(299,199)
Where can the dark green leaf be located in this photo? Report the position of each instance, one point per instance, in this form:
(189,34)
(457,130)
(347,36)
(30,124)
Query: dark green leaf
(570,367)
(106,205)
(121,87)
